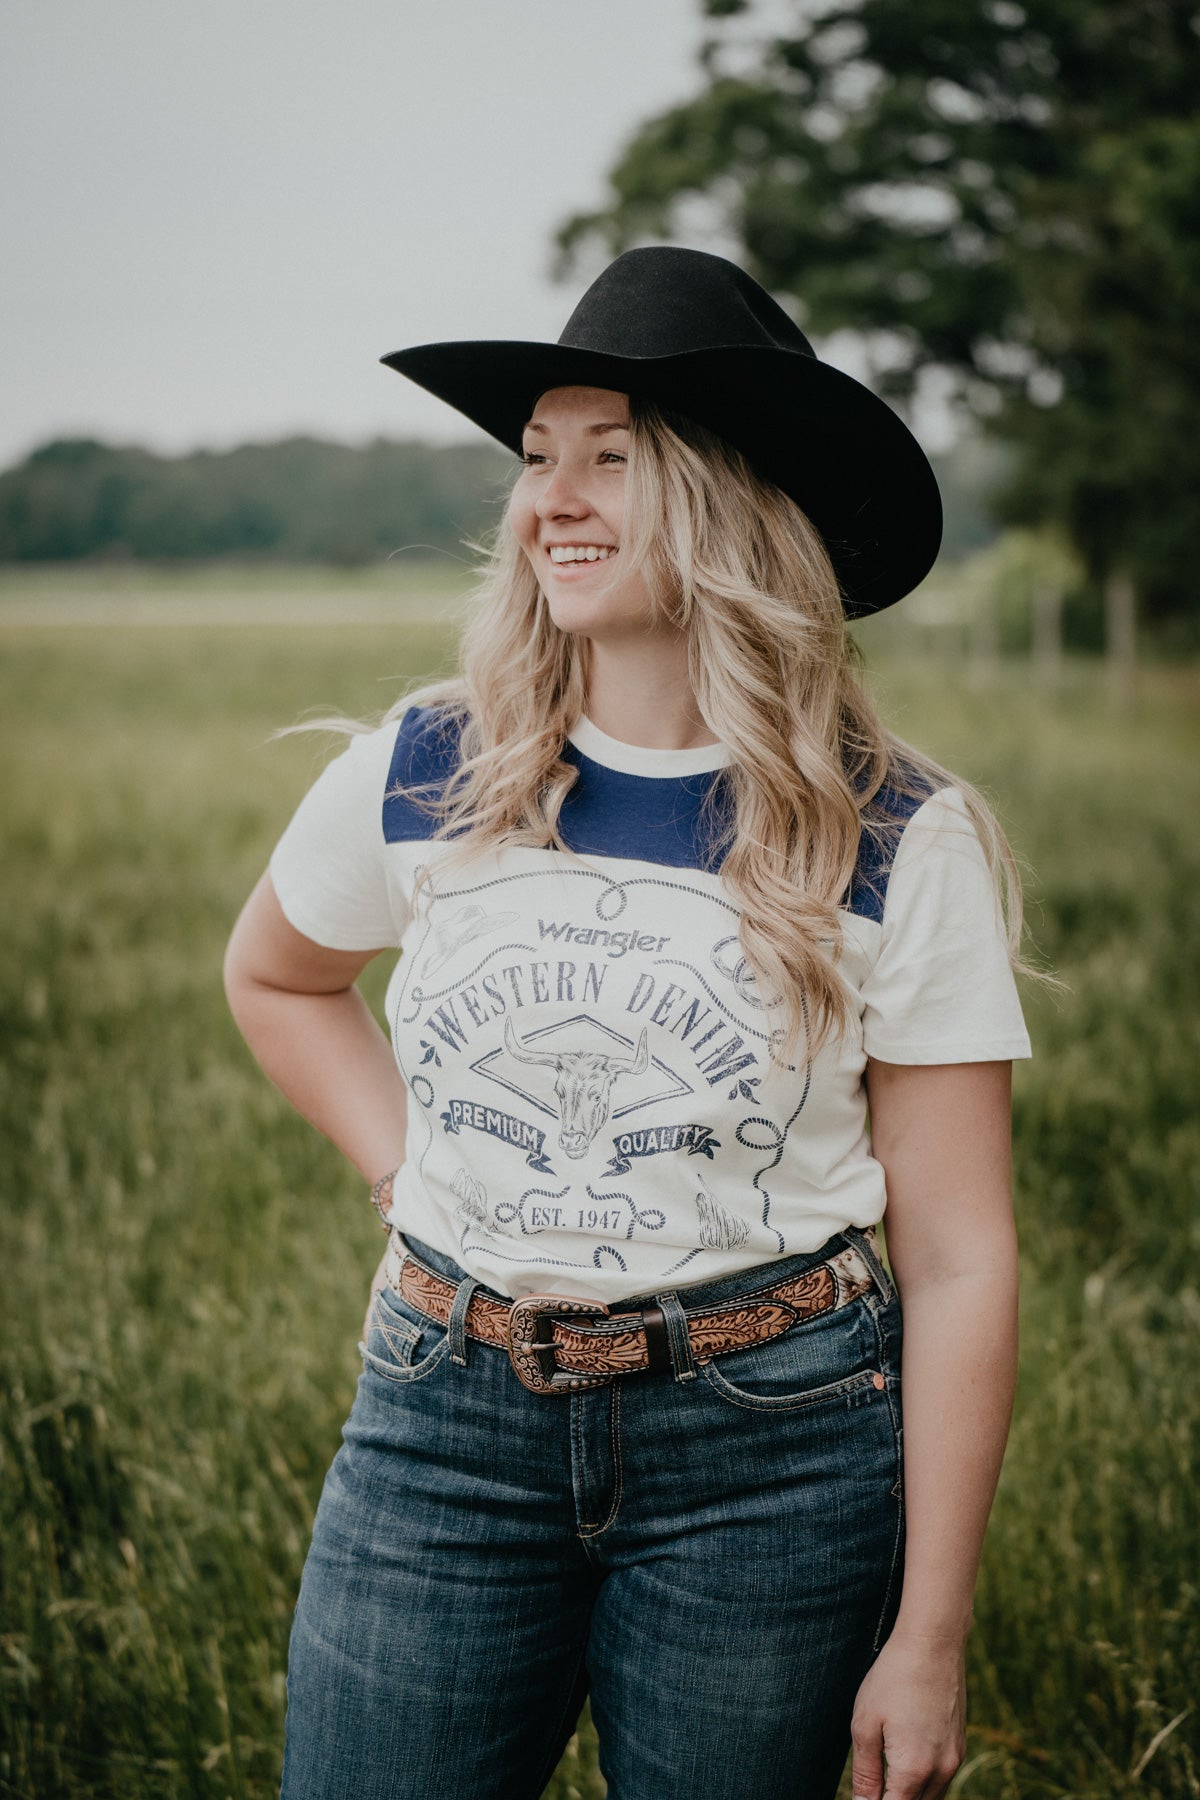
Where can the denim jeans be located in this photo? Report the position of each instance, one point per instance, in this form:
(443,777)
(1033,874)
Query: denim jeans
(713,1553)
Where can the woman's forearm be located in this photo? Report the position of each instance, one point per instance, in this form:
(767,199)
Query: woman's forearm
(327,1055)
(958,1377)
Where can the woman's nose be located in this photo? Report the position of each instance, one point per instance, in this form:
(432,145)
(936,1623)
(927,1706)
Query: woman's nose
(560,496)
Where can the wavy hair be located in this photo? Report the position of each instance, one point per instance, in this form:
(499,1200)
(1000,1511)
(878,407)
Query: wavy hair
(777,678)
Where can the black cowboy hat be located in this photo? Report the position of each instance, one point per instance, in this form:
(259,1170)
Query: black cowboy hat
(695,334)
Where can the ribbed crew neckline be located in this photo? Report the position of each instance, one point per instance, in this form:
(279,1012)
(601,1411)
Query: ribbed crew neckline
(636,759)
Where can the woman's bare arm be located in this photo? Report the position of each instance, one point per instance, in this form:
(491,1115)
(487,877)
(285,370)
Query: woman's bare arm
(942,1135)
(313,1033)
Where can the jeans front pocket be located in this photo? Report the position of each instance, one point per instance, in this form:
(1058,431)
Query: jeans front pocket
(400,1344)
(829,1358)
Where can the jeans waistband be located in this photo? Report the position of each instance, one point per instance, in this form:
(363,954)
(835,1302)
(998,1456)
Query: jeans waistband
(706,1293)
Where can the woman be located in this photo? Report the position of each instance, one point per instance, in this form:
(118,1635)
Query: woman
(672,907)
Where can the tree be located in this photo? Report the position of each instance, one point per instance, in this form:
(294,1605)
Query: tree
(1000,196)
(300,500)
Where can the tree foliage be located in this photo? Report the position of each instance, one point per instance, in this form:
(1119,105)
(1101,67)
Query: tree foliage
(297,500)
(1007,194)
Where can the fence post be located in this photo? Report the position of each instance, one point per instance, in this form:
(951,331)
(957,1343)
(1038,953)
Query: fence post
(1120,616)
(1047,634)
(985,634)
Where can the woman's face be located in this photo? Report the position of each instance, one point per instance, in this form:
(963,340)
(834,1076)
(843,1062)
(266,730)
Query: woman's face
(567,509)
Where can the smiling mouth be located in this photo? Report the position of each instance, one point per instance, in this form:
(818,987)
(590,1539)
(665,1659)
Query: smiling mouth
(564,555)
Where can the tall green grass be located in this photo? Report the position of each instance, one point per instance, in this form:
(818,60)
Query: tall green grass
(185,1262)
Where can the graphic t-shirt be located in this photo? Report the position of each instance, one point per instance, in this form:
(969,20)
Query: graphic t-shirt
(592,1107)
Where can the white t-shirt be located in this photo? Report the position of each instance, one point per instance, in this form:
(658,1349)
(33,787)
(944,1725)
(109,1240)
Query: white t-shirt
(591,1105)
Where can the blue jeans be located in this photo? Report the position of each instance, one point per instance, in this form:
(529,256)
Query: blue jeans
(713,1553)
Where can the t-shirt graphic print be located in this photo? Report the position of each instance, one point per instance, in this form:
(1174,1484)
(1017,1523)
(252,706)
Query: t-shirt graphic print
(593,1107)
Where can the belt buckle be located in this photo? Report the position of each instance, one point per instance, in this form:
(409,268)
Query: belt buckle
(531,1340)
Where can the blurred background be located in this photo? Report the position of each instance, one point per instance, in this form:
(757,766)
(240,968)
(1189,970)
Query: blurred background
(218,512)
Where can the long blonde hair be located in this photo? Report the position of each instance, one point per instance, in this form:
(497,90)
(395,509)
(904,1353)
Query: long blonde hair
(738,566)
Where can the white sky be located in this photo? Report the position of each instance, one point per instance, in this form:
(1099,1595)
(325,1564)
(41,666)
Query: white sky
(216,216)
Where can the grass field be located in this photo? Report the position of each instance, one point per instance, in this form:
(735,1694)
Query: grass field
(174,1378)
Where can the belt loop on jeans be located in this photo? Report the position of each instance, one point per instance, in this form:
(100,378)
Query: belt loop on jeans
(675,1320)
(456,1330)
(865,1243)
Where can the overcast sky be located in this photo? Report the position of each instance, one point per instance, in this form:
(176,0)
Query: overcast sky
(216,216)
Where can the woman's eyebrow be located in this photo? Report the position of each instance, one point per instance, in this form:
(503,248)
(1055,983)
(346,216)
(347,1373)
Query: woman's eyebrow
(593,430)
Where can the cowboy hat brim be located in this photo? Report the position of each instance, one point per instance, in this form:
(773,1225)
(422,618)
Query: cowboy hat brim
(840,452)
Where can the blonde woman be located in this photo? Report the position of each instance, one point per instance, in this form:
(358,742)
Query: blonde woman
(673,909)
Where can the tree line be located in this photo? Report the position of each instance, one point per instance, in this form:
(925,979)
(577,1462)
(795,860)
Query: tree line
(298,500)
(306,500)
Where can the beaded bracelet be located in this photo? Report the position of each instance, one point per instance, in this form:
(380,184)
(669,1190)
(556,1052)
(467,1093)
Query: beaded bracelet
(381,1196)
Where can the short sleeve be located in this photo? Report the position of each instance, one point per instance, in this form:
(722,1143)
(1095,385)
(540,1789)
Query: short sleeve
(330,868)
(942,989)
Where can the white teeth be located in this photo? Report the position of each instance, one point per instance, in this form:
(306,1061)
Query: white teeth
(564,553)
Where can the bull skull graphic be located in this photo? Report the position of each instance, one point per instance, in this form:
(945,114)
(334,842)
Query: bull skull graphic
(583,1083)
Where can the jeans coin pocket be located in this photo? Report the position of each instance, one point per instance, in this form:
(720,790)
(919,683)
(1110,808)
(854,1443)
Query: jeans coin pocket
(400,1345)
(827,1358)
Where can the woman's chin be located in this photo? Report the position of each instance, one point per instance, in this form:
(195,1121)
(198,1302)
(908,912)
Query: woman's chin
(584,618)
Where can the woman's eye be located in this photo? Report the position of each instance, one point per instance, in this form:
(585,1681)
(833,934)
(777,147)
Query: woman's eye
(531,458)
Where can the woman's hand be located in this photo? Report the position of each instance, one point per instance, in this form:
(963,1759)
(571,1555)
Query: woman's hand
(911,1711)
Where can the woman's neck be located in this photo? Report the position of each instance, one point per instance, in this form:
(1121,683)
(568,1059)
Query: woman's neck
(640,694)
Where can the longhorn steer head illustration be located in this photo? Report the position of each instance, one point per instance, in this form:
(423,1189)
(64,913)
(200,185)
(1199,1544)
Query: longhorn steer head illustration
(583,1081)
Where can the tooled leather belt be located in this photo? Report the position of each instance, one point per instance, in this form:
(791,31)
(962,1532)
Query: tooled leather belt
(559,1345)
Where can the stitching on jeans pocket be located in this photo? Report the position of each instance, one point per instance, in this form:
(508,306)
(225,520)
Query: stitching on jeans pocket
(400,1339)
(411,1371)
(834,1390)
(830,1357)
(400,1335)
